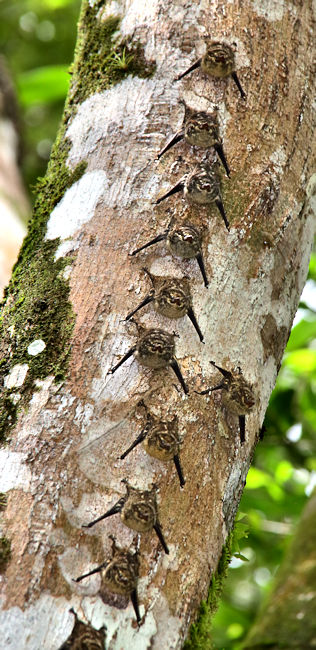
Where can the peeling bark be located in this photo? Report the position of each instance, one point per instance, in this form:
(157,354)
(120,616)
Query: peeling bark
(63,467)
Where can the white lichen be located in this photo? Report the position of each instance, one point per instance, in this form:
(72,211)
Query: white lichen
(36,347)
(16,376)
(45,624)
(271,10)
(15,397)
(278,158)
(14,473)
(65,247)
(77,206)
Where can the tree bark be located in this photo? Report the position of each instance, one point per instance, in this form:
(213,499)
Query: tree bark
(62,468)
(288,617)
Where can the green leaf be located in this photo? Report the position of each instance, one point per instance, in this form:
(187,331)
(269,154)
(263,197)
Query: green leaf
(302,334)
(284,471)
(241,557)
(51,4)
(302,362)
(241,530)
(256,478)
(235,630)
(312,267)
(275,492)
(43,85)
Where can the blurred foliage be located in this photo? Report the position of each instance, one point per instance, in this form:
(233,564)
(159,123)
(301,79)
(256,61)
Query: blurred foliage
(39,38)
(49,83)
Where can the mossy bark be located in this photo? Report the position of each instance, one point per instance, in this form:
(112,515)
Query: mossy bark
(288,619)
(74,282)
(36,304)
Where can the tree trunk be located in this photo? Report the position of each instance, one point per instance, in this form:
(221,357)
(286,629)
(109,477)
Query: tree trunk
(95,206)
(288,617)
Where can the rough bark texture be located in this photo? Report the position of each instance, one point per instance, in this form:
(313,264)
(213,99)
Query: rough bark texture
(63,467)
(289,617)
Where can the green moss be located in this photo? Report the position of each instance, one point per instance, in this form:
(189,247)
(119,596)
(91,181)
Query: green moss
(36,303)
(8,415)
(100,61)
(200,632)
(5,552)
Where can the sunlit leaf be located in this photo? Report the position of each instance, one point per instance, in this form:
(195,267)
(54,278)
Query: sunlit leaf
(302,334)
(312,267)
(256,478)
(310,418)
(301,361)
(283,471)
(241,530)
(50,4)
(241,557)
(43,85)
(235,630)
(275,492)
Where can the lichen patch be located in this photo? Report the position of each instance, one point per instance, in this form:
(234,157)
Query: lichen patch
(16,377)
(42,625)
(36,347)
(14,473)
(77,206)
(271,10)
